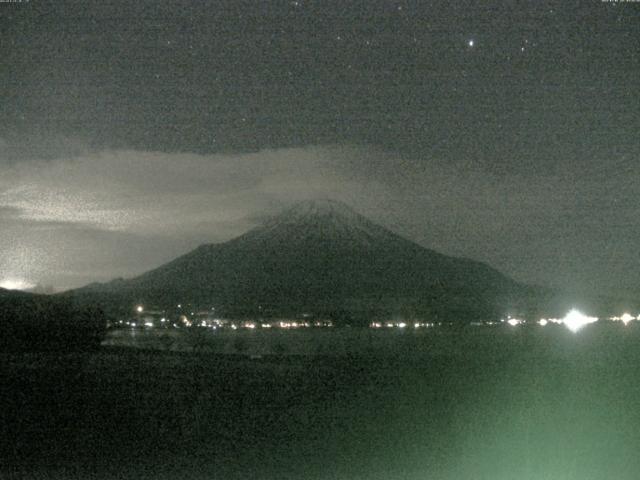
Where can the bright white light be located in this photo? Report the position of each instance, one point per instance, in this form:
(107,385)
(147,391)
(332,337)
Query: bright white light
(626,318)
(13,284)
(148,324)
(542,322)
(470,43)
(514,321)
(402,325)
(139,309)
(575,320)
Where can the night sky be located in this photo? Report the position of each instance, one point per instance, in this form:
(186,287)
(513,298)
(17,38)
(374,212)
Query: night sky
(507,132)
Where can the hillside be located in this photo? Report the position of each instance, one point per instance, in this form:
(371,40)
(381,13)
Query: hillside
(323,258)
(31,322)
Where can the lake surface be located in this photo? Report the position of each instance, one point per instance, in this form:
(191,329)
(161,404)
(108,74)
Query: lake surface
(477,404)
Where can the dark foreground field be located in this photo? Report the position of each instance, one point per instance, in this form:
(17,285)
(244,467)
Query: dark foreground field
(525,405)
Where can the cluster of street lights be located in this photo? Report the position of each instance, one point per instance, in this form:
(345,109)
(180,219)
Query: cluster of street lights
(574,320)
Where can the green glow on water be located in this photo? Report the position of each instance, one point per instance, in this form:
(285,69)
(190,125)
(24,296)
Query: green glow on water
(512,403)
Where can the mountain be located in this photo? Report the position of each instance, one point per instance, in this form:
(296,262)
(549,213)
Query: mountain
(322,258)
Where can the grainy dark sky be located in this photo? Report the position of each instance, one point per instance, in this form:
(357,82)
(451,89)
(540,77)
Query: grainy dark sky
(133,131)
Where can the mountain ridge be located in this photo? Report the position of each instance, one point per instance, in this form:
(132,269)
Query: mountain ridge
(320,256)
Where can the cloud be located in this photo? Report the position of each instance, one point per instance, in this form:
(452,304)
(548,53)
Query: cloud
(69,221)
(153,192)
(8,213)
(17,148)
(118,213)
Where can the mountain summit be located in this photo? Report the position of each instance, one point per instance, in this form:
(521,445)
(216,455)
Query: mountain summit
(321,221)
(321,207)
(320,257)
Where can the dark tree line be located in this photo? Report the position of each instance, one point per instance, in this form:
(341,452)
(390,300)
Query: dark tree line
(43,323)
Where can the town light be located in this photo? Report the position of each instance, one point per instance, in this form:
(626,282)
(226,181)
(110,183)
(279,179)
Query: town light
(575,320)
(626,318)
